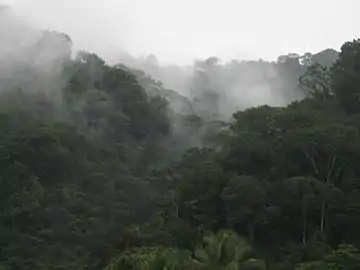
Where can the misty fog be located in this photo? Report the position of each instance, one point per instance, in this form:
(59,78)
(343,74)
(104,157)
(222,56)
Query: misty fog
(31,59)
(218,89)
(211,88)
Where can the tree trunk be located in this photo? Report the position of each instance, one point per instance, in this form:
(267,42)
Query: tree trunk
(304,217)
(251,232)
(331,166)
(221,220)
(323,216)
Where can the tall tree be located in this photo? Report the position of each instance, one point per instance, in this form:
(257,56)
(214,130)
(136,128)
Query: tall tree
(245,199)
(346,77)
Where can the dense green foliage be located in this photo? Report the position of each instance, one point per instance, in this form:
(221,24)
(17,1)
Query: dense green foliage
(91,176)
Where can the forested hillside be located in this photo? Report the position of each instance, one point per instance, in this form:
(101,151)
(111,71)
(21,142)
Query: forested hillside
(104,167)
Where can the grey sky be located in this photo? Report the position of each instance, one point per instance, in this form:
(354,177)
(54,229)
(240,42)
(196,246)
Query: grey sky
(180,30)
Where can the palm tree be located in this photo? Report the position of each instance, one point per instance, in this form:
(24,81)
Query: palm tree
(225,250)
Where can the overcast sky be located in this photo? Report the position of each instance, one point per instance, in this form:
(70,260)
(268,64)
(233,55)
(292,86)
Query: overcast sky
(181,30)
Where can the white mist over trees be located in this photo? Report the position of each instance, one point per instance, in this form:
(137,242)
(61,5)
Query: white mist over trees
(30,59)
(214,88)
(201,97)
(217,89)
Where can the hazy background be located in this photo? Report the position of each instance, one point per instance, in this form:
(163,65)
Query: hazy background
(194,47)
(179,31)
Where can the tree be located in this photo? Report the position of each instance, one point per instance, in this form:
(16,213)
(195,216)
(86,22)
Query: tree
(245,199)
(200,173)
(225,250)
(306,190)
(248,143)
(326,150)
(346,77)
(316,82)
